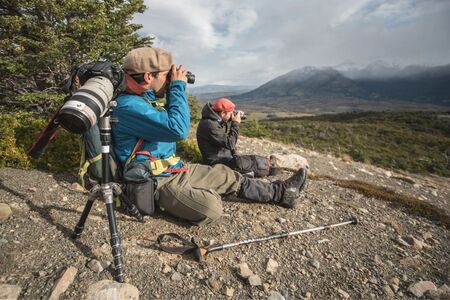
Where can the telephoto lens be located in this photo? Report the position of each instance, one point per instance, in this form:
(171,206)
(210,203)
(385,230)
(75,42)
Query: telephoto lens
(86,105)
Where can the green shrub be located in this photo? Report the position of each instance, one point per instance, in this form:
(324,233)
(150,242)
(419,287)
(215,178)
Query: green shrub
(10,154)
(21,130)
(253,128)
(189,151)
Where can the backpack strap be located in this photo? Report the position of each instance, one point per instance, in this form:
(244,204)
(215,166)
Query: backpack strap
(157,165)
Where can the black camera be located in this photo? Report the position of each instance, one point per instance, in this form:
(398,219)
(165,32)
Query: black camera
(189,75)
(241,113)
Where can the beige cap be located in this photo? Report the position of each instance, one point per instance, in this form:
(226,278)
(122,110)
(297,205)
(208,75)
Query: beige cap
(146,59)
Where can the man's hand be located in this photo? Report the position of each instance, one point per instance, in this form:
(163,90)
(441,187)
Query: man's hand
(236,117)
(178,73)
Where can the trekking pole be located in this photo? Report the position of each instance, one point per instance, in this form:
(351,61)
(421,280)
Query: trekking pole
(200,252)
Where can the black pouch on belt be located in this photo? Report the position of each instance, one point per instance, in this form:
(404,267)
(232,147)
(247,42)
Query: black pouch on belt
(140,187)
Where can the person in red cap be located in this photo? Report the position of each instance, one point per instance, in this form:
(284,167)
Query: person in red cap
(217,135)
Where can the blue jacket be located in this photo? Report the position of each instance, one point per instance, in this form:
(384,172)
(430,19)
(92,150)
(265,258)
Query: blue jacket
(160,129)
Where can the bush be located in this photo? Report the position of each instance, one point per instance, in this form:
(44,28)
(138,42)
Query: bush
(21,129)
(253,128)
(189,151)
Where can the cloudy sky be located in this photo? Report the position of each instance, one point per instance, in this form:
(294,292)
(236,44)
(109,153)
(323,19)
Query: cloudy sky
(249,42)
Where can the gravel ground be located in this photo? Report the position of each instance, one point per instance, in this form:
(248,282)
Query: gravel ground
(376,259)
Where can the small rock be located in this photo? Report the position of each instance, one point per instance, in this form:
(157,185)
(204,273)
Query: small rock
(308,295)
(229,292)
(343,294)
(315,263)
(281,220)
(166,269)
(434,193)
(421,287)
(244,271)
(346,158)
(402,242)
(323,241)
(183,268)
(275,296)
(410,262)
(176,276)
(415,243)
(388,291)
(95,266)
(308,254)
(373,280)
(442,293)
(5,212)
(394,280)
(63,283)
(108,289)
(105,264)
(32,189)
(363,210)
(377,259)
(427,236)
(271,266)
(254,280)
(214,284)
(103,251)
(395,288)
(77,187)
(9,291)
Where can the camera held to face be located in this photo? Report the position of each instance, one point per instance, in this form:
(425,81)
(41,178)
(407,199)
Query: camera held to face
(241,113)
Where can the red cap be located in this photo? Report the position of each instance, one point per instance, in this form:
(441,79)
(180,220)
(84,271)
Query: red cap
(223,104)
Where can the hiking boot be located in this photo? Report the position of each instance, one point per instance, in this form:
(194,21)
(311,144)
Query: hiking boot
(292,188)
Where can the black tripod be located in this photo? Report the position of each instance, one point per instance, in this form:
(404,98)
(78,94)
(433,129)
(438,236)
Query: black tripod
(107,190)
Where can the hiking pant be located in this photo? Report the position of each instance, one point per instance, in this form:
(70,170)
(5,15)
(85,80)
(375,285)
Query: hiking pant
(259,165)
(195,196)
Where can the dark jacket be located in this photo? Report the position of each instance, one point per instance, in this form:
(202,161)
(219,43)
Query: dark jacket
(214,143)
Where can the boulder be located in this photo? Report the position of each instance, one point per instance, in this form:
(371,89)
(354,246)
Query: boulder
(288,161)
(5,212)
(421,287)
(111,290)
(9,291)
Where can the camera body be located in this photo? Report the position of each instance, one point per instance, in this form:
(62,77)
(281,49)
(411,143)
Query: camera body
(241,113)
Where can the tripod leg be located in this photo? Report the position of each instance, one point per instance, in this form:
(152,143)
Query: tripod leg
(115,239)
(93,194)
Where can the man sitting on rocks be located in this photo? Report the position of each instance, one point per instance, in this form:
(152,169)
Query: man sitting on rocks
(191,192)
(217,135)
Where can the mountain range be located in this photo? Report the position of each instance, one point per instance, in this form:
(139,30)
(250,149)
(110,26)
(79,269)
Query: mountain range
(377,86)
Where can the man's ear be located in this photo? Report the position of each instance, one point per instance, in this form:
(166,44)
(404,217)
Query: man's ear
(147,77)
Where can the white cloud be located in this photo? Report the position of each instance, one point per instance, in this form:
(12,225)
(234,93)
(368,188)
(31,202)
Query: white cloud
(250,42)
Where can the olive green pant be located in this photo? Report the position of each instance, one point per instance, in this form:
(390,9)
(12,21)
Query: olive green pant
(195,195)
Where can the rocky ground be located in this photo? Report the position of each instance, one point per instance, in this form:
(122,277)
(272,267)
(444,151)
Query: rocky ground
(393,252)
